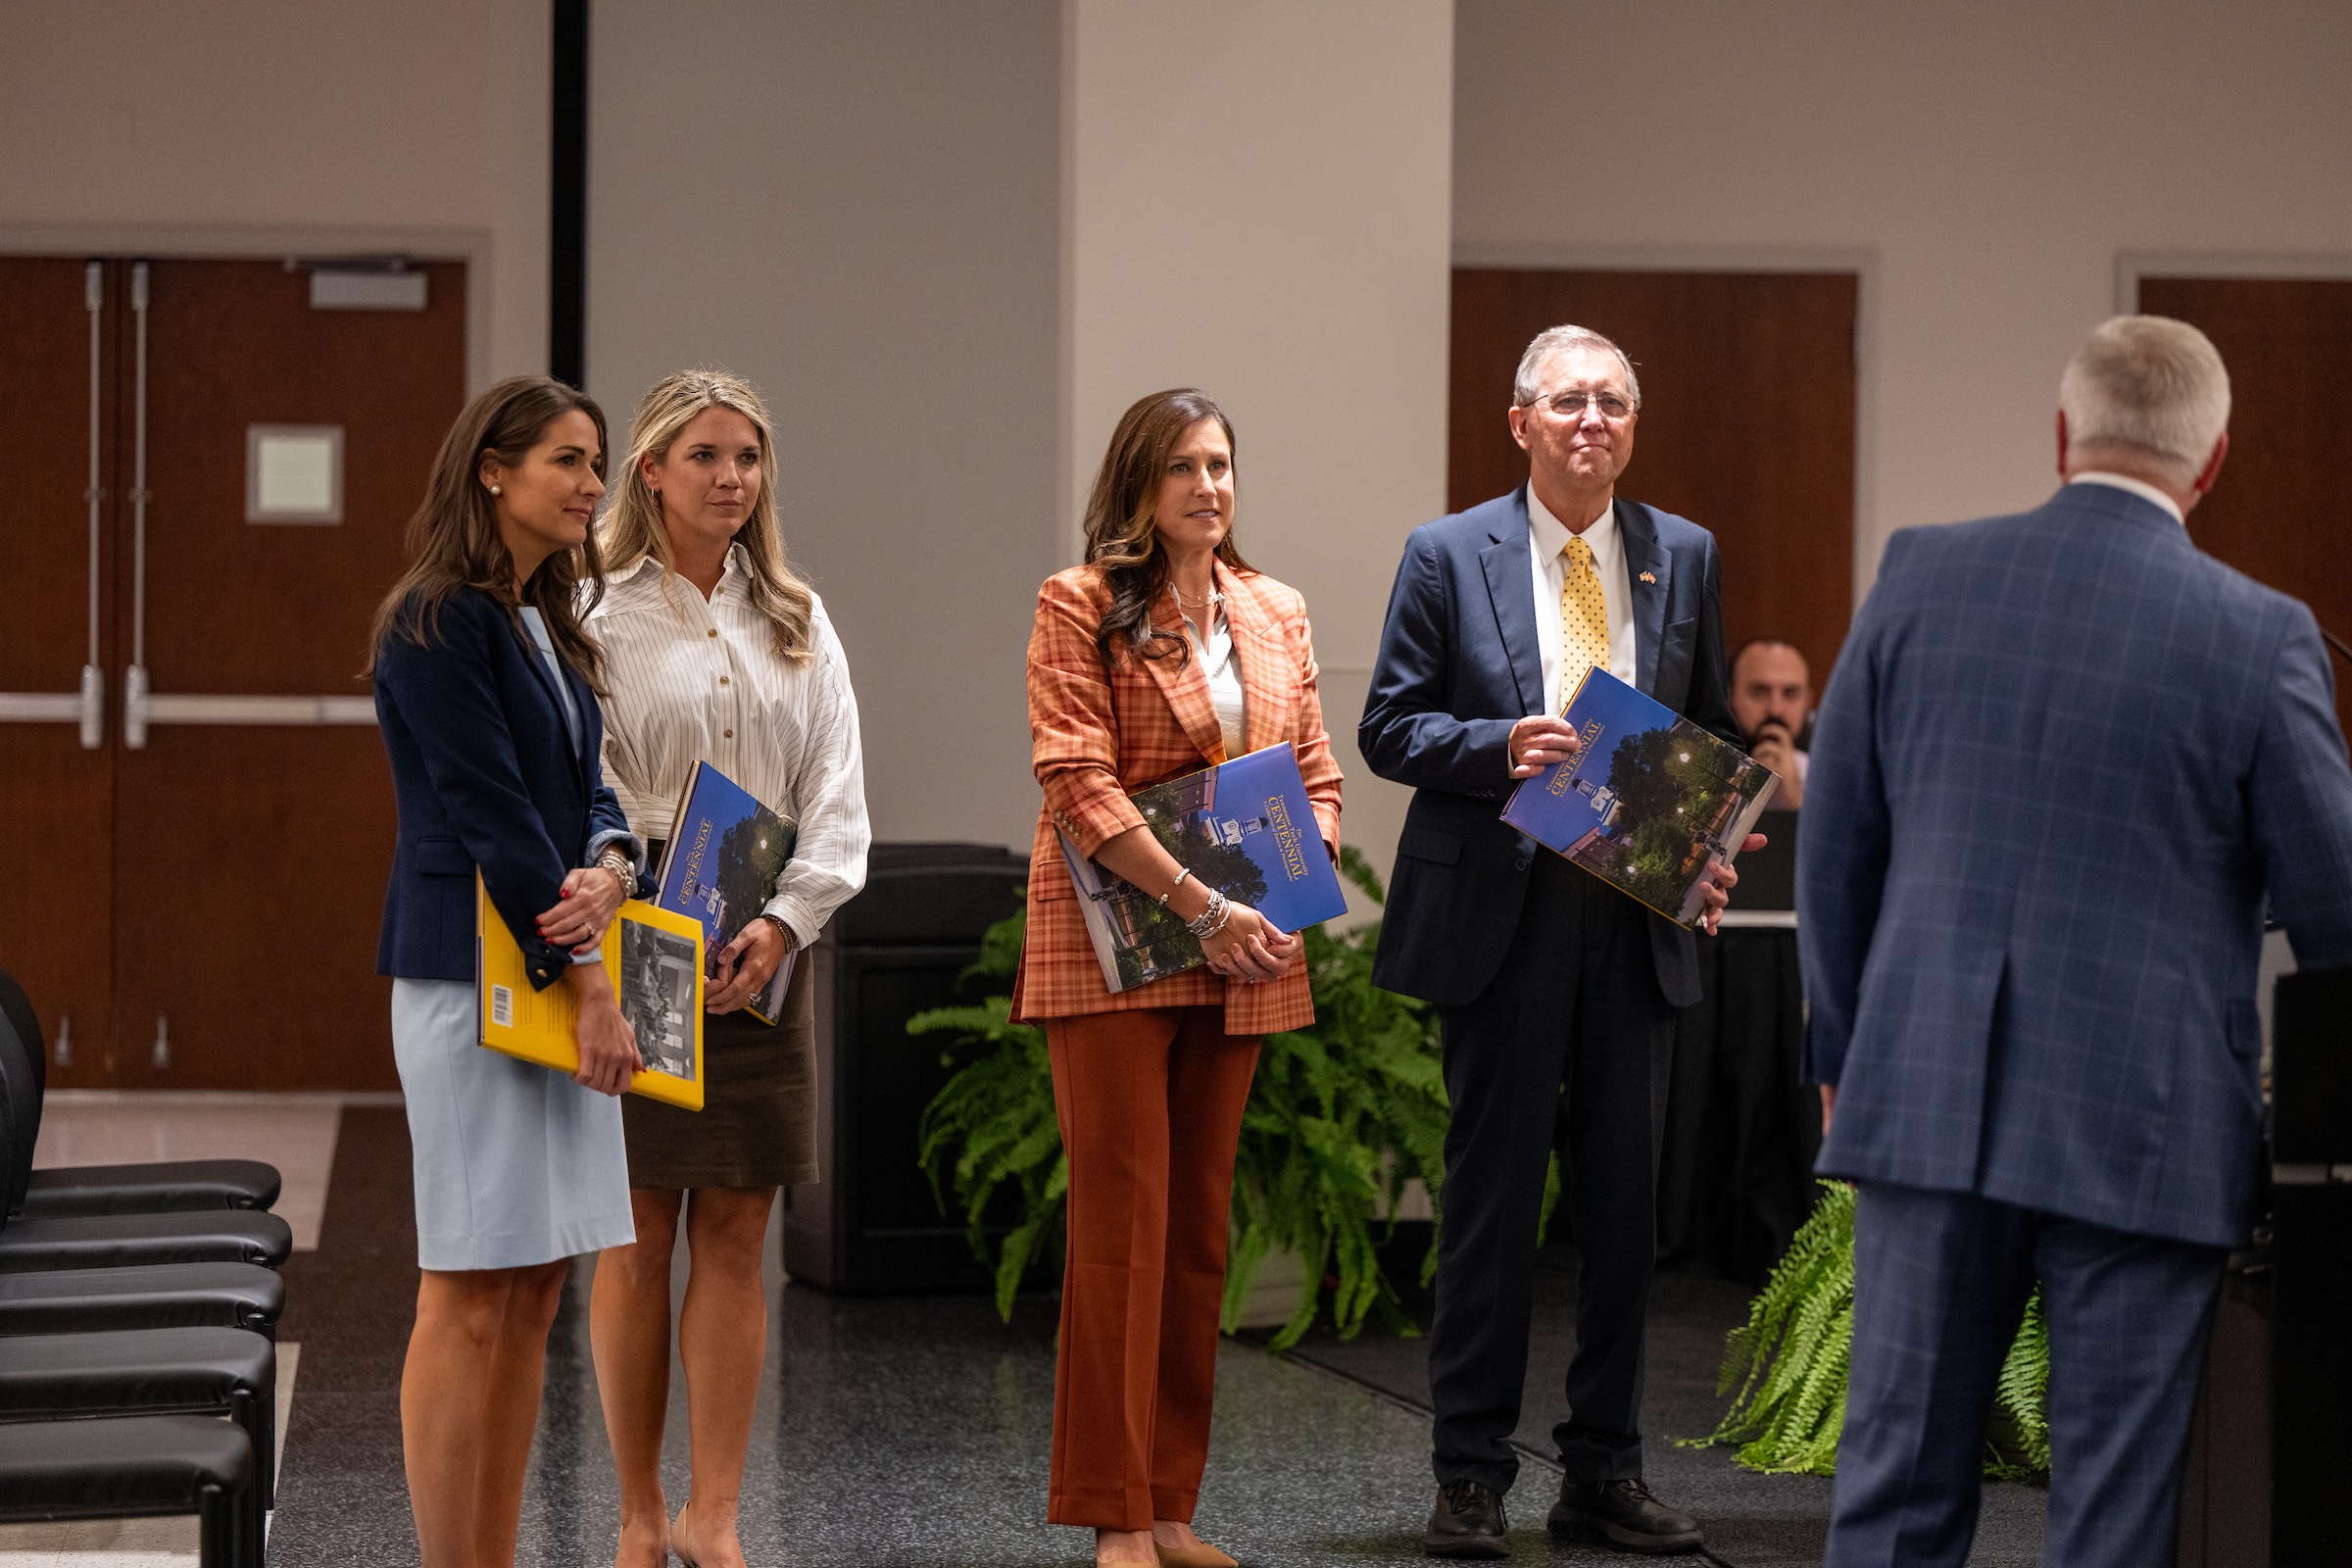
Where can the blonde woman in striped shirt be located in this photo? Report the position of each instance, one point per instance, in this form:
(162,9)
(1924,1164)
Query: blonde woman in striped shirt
(715,649)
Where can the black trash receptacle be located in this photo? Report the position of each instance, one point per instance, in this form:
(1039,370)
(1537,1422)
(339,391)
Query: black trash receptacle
(868,1225)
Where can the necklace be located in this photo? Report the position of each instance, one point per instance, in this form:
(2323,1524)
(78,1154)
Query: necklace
(1184,598)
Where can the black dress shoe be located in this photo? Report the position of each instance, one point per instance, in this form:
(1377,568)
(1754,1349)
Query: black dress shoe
(1621,1513)
(1467,1522)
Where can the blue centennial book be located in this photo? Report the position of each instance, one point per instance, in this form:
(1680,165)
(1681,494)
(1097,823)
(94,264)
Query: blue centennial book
(720,866)
(1648,803)
(1244,828)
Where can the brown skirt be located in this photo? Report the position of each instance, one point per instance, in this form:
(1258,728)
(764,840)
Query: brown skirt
(758,1125)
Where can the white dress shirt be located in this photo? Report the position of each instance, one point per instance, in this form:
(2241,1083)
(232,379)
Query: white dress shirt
(2139,487)
(1224,670)
(1548,536)
(691,681)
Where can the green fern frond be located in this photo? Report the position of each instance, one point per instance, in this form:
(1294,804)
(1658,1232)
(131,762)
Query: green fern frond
(1788,1363)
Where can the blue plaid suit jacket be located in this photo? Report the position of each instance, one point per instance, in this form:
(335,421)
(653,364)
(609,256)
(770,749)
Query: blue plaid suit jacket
(2064,759)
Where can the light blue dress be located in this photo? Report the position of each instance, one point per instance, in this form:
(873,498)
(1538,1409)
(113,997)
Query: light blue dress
(514,1164)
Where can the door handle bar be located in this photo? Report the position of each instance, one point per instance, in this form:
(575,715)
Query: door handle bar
(87,705)
(41,708)
(143,708)
(90,702)
(135,679)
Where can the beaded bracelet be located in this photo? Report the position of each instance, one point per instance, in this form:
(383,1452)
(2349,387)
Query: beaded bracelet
(1212,919)
(618,866)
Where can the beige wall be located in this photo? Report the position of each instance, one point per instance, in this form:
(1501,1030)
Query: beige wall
(867,229)
(964,239)
(954,241)
(240,125)
(1259,205)
(1989,161)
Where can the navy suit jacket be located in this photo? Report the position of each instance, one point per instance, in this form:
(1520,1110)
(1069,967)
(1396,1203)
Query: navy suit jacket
(1459,665)
(486,775)
(2063,759)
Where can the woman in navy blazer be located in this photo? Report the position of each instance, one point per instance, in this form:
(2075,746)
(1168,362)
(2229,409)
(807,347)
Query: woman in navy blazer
(485,689)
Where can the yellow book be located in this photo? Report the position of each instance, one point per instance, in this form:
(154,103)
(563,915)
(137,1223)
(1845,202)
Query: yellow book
(655,960)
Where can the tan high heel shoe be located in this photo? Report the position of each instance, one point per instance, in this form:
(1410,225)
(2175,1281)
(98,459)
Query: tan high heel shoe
(1204,1556)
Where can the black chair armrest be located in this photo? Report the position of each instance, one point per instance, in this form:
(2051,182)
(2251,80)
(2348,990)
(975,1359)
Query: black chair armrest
(154,1295)
(162,1187)
(113,1241)
(135,1467)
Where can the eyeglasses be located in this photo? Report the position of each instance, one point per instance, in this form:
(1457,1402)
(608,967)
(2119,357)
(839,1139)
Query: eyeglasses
(1571,405)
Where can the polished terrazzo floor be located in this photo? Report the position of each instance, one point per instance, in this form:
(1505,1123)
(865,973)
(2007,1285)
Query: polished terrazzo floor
(1752,1521)
(912,1432)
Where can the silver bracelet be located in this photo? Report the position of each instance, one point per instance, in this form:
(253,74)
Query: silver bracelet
(1182,872)
(1212,919)
(617,865)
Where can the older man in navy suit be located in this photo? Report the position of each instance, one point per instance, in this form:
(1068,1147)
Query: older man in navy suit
(1554,991)
(2064,764)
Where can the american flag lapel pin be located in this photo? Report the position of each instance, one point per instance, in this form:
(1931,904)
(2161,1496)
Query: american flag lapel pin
(1651,577)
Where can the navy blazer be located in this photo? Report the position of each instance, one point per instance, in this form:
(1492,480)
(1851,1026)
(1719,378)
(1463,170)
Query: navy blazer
(1459,665)
(486,775)
(2063,759)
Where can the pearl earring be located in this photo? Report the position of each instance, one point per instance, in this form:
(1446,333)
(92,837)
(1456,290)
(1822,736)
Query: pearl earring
(496,491)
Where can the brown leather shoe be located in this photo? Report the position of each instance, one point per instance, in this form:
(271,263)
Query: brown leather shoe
(1204,1556)
(1467,1522)
(1622,1514)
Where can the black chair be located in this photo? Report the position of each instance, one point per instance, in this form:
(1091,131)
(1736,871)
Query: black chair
(154,1295)
(57,1191)
(113,1241)
(203,1371)
(125,1241)
(138,1467)
(160,1187)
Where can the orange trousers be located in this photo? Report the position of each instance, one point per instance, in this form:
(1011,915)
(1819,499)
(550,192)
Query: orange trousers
(1150,1109)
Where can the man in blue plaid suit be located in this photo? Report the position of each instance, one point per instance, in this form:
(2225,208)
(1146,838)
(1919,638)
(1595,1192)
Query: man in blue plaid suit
(2064,764)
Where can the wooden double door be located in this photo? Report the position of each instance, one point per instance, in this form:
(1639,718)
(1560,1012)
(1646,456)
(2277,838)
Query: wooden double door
(210,464)
(2276,512)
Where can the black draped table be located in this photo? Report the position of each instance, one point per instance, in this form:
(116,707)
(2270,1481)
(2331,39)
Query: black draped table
(1735,1171)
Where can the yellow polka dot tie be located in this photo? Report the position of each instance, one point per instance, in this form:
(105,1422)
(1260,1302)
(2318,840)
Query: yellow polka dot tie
(1584,618)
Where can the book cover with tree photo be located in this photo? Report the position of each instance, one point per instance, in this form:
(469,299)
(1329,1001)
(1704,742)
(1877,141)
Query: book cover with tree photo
(1244,828)
(720,866)
(1648,803)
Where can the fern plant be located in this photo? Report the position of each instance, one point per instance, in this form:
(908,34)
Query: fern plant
(1788,1362)
(992,1126)
(1340,1116)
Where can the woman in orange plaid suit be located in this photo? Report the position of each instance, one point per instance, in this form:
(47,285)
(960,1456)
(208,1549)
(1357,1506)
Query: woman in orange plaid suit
(1163,654)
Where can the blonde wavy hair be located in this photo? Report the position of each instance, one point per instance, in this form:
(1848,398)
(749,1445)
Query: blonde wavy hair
(632,528)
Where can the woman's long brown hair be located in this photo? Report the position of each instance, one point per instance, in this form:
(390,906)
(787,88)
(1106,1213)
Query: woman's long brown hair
(1120,533)
(452,540)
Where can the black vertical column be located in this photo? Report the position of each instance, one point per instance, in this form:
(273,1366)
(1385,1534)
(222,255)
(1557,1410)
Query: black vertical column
(568,197)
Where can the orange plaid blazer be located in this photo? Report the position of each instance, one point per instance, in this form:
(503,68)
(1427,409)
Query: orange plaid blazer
(1097,735)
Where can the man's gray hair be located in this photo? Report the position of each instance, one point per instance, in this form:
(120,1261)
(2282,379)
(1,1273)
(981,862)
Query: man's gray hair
(1557,339)
(2149,386)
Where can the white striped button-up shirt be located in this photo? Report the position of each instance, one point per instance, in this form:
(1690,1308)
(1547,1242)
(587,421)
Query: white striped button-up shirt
(694,681)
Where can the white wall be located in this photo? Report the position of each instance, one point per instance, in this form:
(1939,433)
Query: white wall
(1992,160)
(858,208)
(261,126)
(1258,206)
